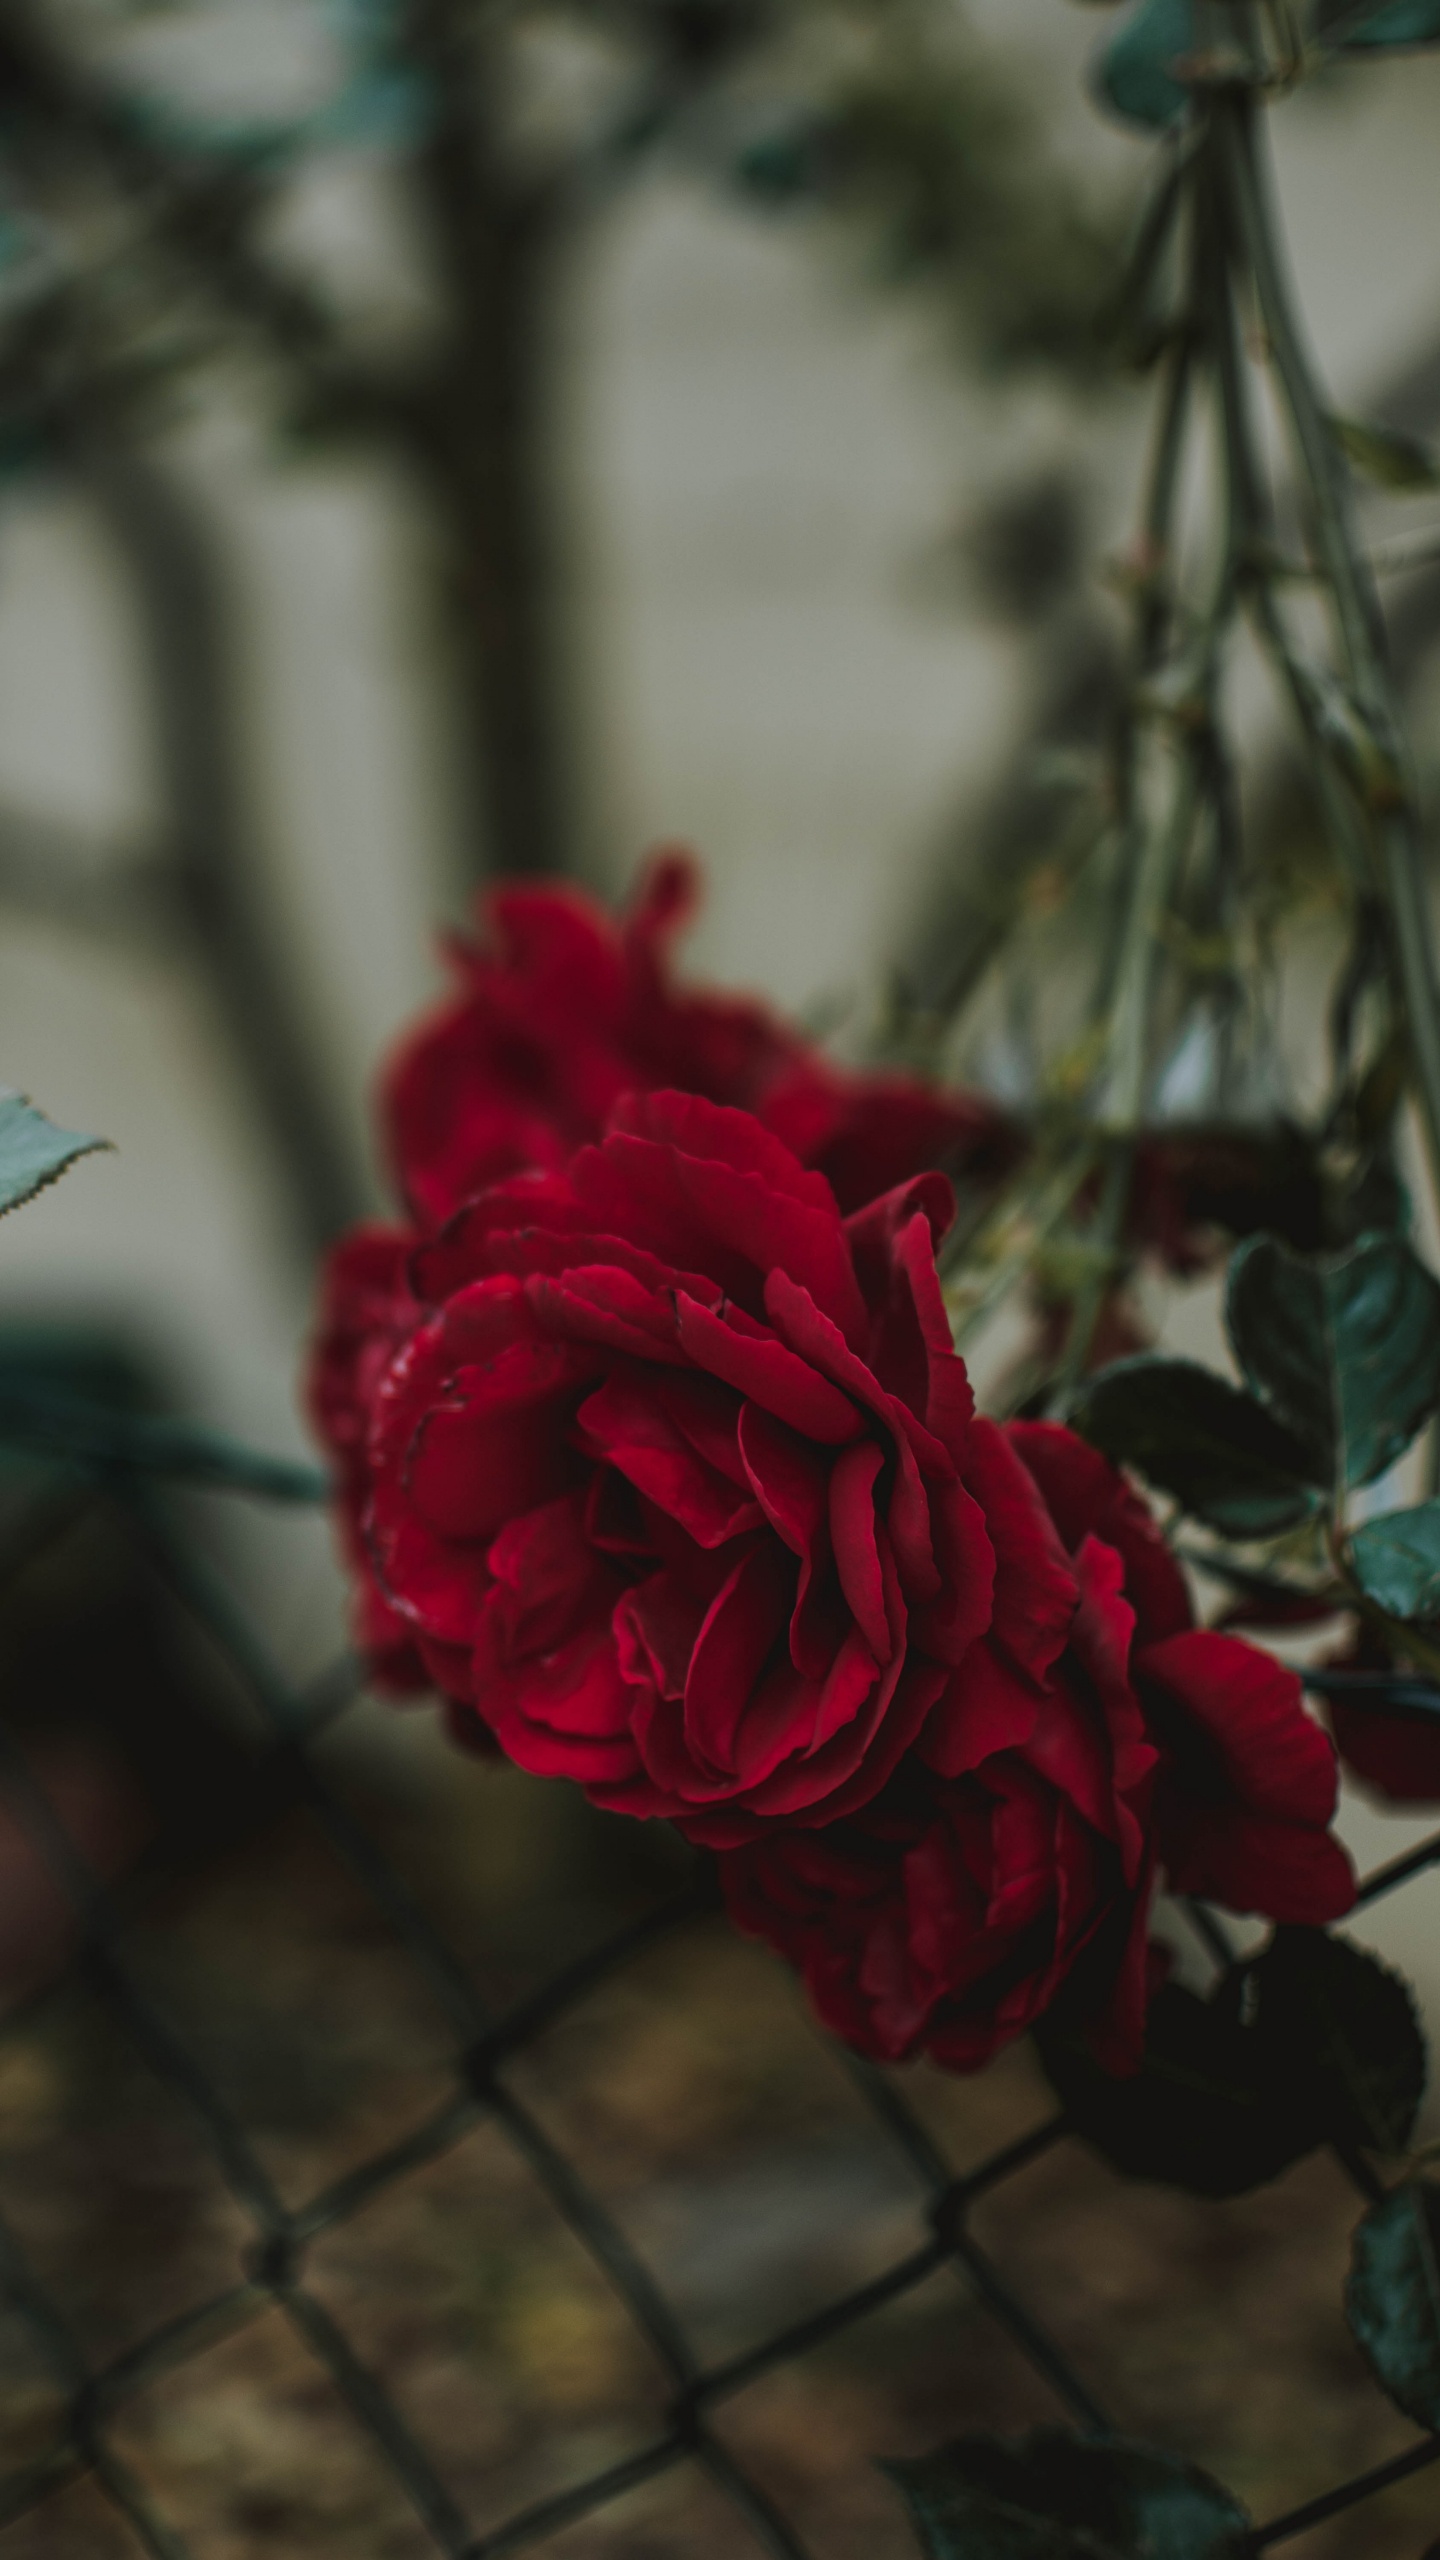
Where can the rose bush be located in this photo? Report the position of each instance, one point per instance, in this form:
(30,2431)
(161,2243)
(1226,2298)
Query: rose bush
(671,1479)
(948,1916)
(560,1010)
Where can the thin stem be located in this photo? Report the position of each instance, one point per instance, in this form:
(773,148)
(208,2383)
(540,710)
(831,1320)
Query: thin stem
(1104,1242)
(1049,1207)
(1357,614)
(1153,619)
(1122,1098)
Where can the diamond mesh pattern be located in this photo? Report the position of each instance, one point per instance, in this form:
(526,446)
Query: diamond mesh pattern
(271,2273)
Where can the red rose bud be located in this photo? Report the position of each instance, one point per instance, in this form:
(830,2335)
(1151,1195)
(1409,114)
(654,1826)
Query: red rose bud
(561,1009)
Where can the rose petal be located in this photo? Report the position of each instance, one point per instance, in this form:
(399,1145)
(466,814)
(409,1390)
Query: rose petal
(1084,1493)
(852,1537)
(764,1370)
(1252,1862)
(1036,1594)
(986,1707)
(628,1426)
(1267,1751)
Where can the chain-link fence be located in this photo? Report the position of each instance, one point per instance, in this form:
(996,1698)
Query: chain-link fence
(272,2271)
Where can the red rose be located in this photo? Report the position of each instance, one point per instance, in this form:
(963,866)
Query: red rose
(561,1010)
(947,1915)
(679,1486)
(674,1481)
(1248,1782)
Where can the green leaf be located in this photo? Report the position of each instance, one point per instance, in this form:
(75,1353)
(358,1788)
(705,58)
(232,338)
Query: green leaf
(1343,1349)
(1405,22)
(1381,454)
(1205,2112)
(33,1151)
(1133,74)
(1358,29)
(69,1430)
(1311,2042)
(1048,2496)
(1392,2300)
(1217,1450)
(1342,2024)
(1396,1560)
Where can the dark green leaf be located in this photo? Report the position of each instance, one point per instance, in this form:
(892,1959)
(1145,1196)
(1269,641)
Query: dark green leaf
(1379,454)
(1134,74)
(1217,1450)
(1344,1349)
(49,1424)
(1397,1561)
(1312,2042)
(1392,2300)
(1395,23)
(1206,2111)
(1342,2024)
(76,1395)
(33,1151)
(1049,2496)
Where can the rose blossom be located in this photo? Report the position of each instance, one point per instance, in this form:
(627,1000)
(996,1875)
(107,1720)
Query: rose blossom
(675,1482)
(946,1917)
(672,1479)
(560,1010)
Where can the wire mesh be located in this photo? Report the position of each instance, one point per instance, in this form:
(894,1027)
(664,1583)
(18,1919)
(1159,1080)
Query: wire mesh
(272,2270)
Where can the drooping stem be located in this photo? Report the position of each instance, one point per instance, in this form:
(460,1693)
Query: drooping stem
(1151,851)
(1360,632)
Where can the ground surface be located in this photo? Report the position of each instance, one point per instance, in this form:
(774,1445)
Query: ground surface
(732,2148)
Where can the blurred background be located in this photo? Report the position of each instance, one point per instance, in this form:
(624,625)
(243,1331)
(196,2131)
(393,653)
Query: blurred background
(720,444)
(438,442)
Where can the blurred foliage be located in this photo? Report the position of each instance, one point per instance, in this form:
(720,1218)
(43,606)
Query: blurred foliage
(147,234)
